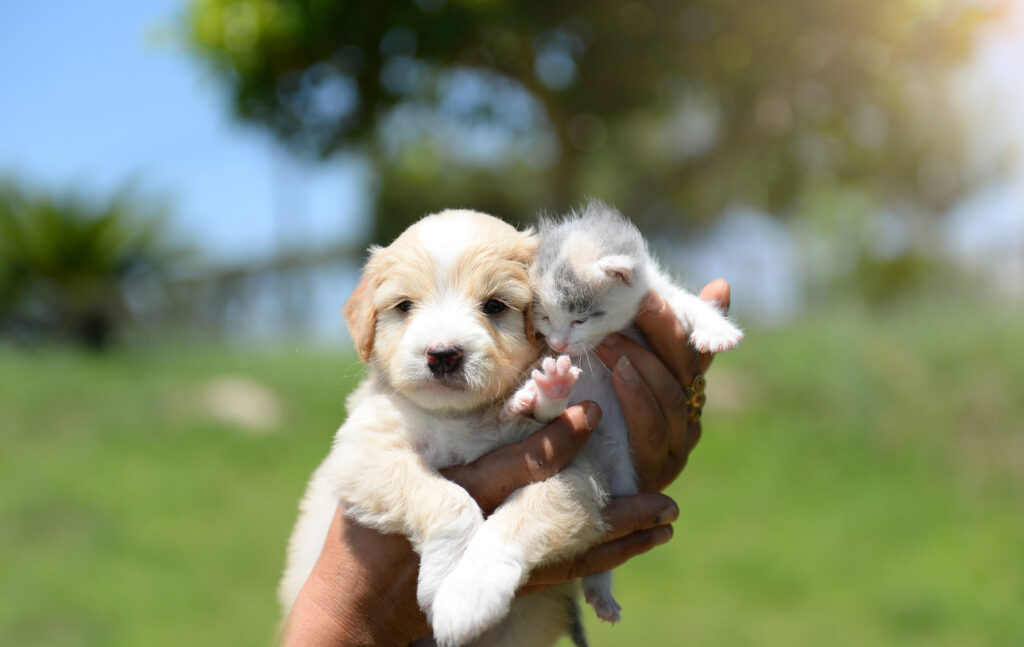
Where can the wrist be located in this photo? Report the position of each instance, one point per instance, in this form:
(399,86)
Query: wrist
(341,612)
(361,591)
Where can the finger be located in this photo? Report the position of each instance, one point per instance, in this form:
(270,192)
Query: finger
(648,368)
(628,514)
(625,516)
(492,477)
(718,291)
(653,404)
(667,337)
(645,421)
(601,558)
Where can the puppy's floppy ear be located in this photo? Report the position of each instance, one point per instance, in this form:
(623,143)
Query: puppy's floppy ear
(531,331)
(524,251)
(360,313)
(524,247)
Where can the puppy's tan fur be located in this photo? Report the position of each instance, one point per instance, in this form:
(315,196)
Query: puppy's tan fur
(404,423)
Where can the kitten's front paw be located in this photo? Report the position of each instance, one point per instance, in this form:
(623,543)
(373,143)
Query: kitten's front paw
(522,403)
(478,592)
(554,386)
(557,378)
(717,337)
(440,553)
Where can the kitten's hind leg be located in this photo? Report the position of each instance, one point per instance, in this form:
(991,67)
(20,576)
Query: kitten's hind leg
(597,590)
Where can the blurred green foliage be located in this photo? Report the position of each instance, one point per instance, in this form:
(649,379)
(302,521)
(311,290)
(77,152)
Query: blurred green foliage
(68,262)
(671,110)
(874,505)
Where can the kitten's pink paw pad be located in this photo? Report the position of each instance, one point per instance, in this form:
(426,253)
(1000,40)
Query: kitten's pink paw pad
(717,339)
(604,604)
(556,377)
(522,403)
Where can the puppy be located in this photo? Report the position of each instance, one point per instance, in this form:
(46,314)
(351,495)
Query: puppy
(443,319)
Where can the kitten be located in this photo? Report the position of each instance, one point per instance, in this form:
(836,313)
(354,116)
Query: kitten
(591,271)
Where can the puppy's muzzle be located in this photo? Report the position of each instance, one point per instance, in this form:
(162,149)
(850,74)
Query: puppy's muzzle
(444,360)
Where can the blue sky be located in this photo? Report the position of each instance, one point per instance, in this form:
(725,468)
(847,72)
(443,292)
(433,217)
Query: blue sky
(90,98)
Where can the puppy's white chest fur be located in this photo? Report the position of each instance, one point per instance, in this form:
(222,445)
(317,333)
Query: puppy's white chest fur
(456,438)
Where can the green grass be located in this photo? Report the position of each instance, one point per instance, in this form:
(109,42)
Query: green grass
(860,482)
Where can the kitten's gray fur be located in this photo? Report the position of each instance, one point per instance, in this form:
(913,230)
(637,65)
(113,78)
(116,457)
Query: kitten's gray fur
(591,272)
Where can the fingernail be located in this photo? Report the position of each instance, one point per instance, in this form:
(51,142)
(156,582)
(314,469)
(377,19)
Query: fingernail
(668,515)
(624,369)
(651,303)
(612,340)
(591,415)
(662,534)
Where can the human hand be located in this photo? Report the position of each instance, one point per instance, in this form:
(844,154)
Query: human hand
(362,590)
(652,387)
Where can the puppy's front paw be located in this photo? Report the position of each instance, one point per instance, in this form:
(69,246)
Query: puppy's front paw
(478,592)
(554,386)
(716,337)
(441,552)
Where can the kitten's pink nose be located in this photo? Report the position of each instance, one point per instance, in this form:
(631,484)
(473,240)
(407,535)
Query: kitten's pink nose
(558,344)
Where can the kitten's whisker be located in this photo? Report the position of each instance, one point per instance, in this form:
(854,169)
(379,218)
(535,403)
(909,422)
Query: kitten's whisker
(593,353)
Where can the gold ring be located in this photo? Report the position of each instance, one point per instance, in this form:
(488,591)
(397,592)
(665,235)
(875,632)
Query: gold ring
(695,397)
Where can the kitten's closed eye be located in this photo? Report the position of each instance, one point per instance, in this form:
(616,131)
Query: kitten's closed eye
(583,320)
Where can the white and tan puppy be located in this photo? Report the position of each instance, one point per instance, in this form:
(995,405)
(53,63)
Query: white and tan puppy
(443,319)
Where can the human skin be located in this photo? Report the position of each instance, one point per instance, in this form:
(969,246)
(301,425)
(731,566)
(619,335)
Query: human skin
(362,590)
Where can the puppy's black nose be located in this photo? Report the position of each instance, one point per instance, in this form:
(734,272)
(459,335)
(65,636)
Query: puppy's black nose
(442,360)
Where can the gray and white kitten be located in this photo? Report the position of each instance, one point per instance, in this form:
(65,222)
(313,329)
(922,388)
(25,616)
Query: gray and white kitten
(591,272)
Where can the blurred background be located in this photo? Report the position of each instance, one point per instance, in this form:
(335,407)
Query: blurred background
(187,189)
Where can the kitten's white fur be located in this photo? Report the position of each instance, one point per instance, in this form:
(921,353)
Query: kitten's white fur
(404,423)
(591,273)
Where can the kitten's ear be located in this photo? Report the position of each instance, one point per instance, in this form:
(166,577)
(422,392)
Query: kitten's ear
(619,268)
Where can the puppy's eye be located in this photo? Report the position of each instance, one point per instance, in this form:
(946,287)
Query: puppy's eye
(405,306)
(493,307)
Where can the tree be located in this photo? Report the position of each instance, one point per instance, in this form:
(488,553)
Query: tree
(67,263)
(672,110)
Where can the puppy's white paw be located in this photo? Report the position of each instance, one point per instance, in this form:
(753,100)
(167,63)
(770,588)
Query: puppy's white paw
(522,403)
(716,337)
(478,592)
(604,604)
(554,386)
(440,553)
